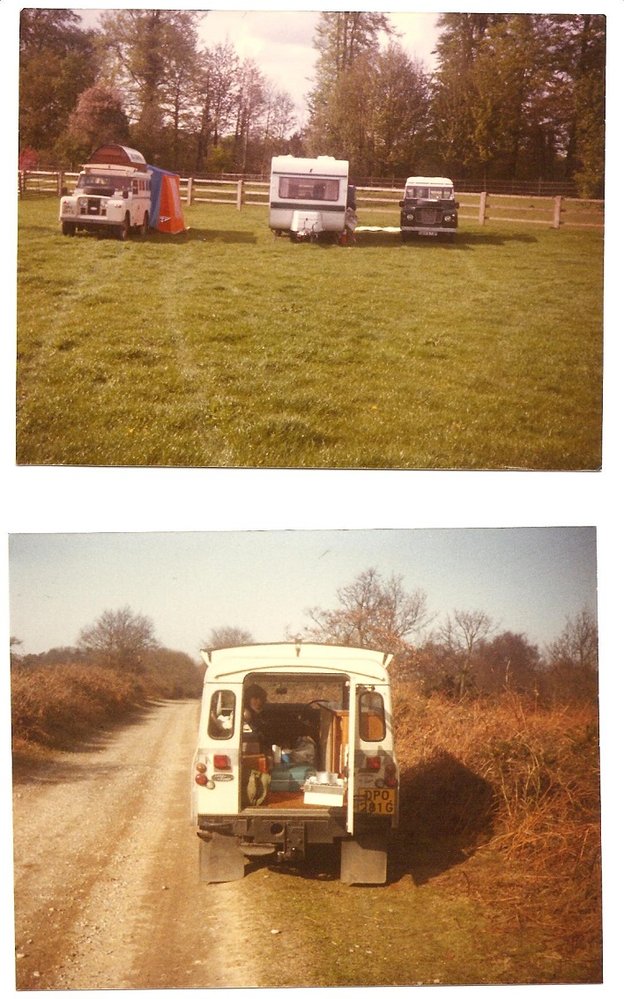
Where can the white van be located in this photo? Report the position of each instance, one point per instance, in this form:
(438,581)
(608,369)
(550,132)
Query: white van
(315,765)
(311,197)
(112,194)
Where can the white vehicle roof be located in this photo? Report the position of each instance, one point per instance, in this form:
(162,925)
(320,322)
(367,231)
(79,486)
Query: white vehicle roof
(325,166)
(301,657)
(429,181)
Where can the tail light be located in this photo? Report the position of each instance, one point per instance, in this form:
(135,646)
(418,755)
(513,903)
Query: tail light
(222,762)
(390,775)
(373,763)
(200,776)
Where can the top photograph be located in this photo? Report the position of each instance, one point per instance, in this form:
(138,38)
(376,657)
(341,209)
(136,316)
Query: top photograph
(308,239)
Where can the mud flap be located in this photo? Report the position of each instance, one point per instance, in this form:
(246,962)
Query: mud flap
(363,861)
(220,859)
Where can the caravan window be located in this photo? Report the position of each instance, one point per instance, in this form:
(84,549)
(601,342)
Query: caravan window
(221,720)
(309,188)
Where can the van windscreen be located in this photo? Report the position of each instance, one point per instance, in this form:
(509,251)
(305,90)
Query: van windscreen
(98,183)
(430,193)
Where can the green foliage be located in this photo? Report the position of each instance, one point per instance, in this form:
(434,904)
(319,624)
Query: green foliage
(227,347)
(513,95)
(99,112)
(56,64)
(521,95)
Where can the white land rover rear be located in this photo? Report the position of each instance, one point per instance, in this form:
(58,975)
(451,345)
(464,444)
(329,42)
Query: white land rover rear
(112,194)
(317,765)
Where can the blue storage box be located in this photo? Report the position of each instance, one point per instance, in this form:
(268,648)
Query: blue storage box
(289,778)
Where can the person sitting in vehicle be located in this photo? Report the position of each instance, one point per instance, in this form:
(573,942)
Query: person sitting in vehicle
(254,702)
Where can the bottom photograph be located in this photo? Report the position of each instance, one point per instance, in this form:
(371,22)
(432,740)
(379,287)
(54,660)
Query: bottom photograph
(316,758)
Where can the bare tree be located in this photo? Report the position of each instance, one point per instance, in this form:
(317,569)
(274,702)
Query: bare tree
(372,613)
(460,634)
(227,637)
(573,657)
(119,639)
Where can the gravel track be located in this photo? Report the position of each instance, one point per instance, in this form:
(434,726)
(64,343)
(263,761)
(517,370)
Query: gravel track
(106,888)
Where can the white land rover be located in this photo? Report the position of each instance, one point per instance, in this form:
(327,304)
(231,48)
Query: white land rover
(295,748)
(112,194)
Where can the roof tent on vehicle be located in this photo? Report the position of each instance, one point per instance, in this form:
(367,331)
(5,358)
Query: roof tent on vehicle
(115,155)
(166,207)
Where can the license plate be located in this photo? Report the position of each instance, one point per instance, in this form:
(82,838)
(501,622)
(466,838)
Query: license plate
(376,800)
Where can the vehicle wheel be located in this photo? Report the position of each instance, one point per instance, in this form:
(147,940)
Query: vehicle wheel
(124,229)
(68,229)
(145,226)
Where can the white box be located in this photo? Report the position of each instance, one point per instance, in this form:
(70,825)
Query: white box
(316,793)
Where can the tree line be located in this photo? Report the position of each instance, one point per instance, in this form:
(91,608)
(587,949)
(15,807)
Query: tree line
(512,96)
(464,655)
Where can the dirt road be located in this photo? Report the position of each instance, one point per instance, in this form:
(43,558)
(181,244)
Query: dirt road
(106,884)
(107,894)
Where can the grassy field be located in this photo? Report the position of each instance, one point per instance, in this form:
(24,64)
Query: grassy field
(227,347)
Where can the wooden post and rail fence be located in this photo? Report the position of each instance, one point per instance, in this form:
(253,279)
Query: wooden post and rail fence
(553,211)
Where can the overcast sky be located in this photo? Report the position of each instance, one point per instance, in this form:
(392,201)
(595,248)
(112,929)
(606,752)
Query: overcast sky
(281,43)
(527,580)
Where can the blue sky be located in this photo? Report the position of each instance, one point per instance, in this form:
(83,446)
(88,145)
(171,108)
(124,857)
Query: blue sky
(527,580)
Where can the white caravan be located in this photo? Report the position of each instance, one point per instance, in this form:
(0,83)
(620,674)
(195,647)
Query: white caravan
(295,748)
(311,197)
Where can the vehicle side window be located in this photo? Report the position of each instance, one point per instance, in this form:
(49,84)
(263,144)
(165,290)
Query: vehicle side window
(372,717)
(221,719)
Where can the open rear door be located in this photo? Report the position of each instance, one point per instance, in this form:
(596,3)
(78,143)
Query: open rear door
(364,854)
(352,728)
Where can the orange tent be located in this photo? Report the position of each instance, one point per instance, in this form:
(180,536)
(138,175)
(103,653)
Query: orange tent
(166,206)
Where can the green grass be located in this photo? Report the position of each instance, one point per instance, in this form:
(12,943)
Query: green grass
(227,347)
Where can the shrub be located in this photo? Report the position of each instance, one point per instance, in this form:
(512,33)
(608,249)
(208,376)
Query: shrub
(525,777)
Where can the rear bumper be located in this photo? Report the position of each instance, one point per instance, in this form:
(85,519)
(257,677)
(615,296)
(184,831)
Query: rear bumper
(270,827)
(266,829)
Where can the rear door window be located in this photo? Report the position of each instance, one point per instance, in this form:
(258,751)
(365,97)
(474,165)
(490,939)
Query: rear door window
(221,719)
(372,719)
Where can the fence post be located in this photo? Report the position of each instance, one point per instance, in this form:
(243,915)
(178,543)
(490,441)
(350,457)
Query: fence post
(557,213)
(189,191)
(239,195)
(482,207)
(59,183)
